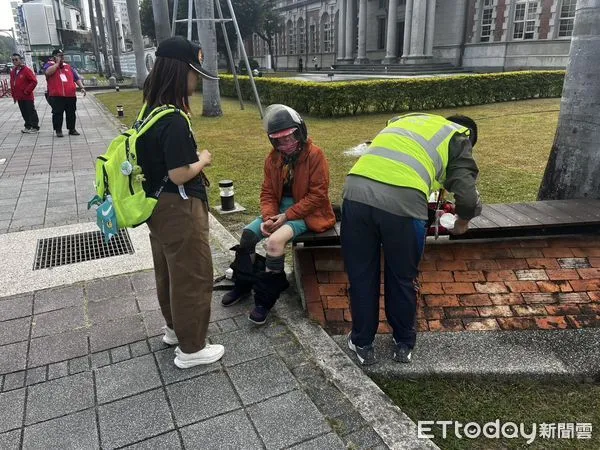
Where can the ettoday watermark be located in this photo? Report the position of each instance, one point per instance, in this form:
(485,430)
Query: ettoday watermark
(429,429)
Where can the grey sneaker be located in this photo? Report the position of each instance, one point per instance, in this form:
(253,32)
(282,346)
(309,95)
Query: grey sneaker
(402,353)
(365,355)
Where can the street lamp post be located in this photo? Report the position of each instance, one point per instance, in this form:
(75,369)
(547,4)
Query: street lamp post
(12,32)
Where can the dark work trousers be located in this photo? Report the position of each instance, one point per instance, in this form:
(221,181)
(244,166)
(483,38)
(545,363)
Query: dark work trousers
(29,114)
(365,230)
(183,267)
(60,105)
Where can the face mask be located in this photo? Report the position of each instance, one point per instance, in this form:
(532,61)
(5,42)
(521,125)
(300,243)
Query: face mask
(288,148)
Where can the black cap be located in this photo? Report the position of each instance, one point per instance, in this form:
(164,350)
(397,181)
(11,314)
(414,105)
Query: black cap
(56,51)
(178,47)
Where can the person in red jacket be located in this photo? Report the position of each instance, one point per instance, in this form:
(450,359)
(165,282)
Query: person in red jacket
(294,198)
(62,92)
(22,84)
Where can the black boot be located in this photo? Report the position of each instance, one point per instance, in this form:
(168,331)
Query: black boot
(244,274)
(240,290)
(266,292)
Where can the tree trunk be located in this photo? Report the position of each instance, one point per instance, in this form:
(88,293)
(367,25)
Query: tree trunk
(95,36)
(211,97)
(103,38)
(133,11)
(573,169)
(271,55)
(114,38)
(162,26)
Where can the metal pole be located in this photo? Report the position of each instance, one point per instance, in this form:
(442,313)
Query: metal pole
(161,19)
(231,60)
(245,56)
(14,39)
(190,15)
(175,7)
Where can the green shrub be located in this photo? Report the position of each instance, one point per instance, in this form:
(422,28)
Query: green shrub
(327,99)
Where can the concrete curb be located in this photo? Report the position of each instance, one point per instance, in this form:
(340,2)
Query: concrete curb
(560,355)
(394,427)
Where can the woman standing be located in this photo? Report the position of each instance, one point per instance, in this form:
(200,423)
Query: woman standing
(179,224)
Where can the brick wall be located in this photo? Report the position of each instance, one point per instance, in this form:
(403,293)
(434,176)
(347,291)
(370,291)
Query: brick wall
(550,283)
(545,16)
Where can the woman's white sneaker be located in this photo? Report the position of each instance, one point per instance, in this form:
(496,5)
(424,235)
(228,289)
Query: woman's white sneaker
(208,355)
(170,338)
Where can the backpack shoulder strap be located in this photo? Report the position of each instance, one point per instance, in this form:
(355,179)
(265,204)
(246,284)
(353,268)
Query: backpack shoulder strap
(158,113)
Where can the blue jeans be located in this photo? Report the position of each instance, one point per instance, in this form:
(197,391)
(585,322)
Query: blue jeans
(298,226)
(364,231)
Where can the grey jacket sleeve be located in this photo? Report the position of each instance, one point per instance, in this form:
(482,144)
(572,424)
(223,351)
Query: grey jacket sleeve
(461,176)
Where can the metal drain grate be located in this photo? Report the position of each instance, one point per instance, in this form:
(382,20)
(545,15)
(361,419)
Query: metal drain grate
(74,248)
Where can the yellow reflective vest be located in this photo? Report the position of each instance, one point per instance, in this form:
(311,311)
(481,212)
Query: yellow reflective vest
(411,151)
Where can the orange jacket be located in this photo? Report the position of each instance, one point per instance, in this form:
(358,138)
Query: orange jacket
(310,189)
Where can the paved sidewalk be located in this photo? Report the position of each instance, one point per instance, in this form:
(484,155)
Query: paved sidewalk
(46,181)
(83,366)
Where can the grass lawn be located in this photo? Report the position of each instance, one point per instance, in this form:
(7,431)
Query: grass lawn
(485,401)
(514,143)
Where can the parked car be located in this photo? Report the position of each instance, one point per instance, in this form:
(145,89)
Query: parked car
(2,67)
(9,67)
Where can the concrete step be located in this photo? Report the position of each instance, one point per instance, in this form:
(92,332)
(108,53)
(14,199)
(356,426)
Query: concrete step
(396,68)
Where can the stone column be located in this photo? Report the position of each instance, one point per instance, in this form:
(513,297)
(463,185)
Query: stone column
(362,33)
(391,50)
(419,22)
(350,31)
(417,34)
(341,31)
(407,28)
(430,28)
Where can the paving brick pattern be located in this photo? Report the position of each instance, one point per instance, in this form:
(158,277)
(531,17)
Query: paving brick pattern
(108,380)
(548,284)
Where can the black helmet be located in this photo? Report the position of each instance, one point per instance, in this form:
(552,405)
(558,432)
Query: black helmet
(280,117)
(467,122)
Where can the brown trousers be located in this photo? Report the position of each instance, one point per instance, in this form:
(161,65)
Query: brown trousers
(183,267)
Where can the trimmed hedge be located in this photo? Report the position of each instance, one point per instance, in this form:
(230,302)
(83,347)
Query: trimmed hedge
(327,99)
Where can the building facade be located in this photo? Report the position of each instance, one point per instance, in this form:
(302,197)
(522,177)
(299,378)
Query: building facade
(43,25)
(476,34)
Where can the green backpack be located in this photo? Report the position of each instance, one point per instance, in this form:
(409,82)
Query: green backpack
(121,199)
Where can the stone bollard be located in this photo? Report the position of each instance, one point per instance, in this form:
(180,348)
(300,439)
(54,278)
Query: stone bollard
(93,81)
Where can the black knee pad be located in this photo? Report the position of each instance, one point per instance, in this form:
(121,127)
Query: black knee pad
(249,240)
(275,263)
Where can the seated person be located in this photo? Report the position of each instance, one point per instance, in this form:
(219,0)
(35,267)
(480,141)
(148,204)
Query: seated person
(294,198)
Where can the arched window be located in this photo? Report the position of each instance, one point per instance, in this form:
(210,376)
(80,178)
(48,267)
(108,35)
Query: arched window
(301,36)
(291,39)
(313,37)
(327,30)
(282,42)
